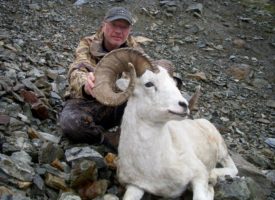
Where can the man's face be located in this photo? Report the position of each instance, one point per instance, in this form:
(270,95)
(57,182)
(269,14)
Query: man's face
(115,33)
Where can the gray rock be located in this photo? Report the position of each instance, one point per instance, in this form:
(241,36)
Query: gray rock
(270,174)
(81,152)
(270,103)
(69,196)
(49,152)
(81,2)
(110,197)
(30,85)
(270,142)
(258,178)
(49,137)
(46,168)
(197,7)
(39,182)
(22,156)
(236,190)
(34,6)
(260,83)
(16,169)
(16,124)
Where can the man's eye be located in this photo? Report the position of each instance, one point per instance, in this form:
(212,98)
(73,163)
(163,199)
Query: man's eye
(149,84)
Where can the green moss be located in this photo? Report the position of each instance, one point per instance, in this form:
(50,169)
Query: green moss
(255,2)
(270,8)
(262,4)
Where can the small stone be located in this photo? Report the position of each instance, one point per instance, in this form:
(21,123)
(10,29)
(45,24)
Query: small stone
(254,59)
(97,188)
(198,76)
(57,164)
(39,182)
(83,171)
(4,119)
(5,191)
(260,83)
(259,160)
(111,160)
(219,47)
(80,2)
(32,133)
(39,109)
(263,121)
(9,46)
(69,196)
(240,71)
(224,119)
(143,40)
(84,152)
(239,43)
(23,118)
(232,190)
(49,137)
(175,48)
(270,103)
(197,7)
(16,169)
(110,197)
(232,57)
(50,152)
(34,6)
(56,182)
(270,174)
(270,142)
(24,185)
(22,156)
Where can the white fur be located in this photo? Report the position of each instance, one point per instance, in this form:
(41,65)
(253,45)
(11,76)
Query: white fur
(163,153)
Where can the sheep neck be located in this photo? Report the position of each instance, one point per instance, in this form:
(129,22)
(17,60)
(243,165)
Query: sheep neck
(144,145)
(141,128)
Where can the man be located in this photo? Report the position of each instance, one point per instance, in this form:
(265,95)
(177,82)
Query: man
(83,119)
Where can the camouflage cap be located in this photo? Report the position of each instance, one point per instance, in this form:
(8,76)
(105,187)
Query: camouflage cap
(119,13)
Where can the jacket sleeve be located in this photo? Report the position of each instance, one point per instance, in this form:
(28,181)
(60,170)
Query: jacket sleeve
(82,64)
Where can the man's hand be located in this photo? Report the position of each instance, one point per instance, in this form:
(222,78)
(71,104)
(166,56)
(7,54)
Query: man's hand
(90,83)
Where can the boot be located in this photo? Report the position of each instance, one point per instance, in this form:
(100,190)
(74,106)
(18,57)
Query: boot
(111,140)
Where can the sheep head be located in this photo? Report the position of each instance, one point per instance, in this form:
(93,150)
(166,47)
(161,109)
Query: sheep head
(154,83)
(157,98)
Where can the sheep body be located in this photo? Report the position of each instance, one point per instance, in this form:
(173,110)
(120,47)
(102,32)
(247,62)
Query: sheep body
(162,153)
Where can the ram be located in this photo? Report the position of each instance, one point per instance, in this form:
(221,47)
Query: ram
(160,150)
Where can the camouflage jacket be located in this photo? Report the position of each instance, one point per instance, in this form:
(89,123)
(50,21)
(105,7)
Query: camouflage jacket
(88,53)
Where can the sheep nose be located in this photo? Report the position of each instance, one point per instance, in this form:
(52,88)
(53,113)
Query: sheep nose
(183,104)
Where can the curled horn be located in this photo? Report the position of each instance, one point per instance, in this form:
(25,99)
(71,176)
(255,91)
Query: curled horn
(111,66)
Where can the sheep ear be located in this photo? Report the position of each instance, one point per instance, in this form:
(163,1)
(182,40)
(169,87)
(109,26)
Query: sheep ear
(194,99)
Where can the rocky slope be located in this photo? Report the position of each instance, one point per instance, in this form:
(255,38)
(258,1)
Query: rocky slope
(227,47)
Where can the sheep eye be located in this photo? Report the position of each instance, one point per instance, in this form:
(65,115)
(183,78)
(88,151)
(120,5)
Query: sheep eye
(149,84)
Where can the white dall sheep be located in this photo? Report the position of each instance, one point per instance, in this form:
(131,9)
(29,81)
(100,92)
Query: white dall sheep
(160,151)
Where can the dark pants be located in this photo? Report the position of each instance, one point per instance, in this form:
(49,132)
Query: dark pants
(86,121)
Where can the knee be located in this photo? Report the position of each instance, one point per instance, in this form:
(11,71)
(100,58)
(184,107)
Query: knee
(133,193)
(68,122)
(79,127)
